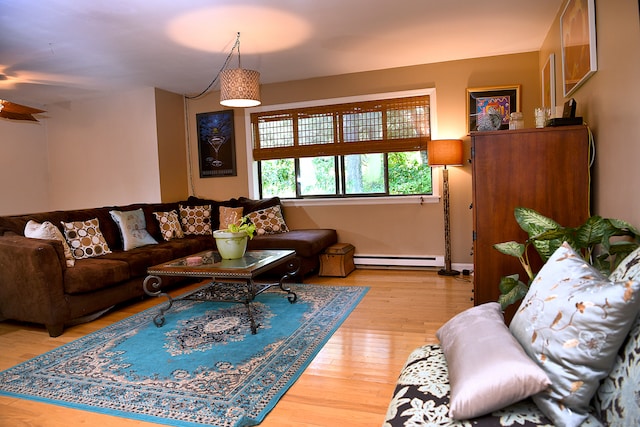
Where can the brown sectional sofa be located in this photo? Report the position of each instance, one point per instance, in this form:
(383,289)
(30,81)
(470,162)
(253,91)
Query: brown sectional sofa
(37,286)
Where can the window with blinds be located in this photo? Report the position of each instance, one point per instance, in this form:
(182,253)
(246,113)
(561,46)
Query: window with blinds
(384,126)
(365,148)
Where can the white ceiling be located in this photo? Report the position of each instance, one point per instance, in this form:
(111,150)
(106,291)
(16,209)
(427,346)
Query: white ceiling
(59,50)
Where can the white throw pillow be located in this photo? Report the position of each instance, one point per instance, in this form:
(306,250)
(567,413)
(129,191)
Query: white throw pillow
(48,231)
(133,228)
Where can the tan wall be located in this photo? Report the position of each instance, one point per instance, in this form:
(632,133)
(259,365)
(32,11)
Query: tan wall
(382,229)
(608,103)
(24,168)
(172,151)
(103,151)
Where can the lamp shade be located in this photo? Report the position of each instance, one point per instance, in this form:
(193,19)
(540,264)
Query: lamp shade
(239,88)
(444,152)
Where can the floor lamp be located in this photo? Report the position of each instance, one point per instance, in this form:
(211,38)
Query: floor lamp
(445,152)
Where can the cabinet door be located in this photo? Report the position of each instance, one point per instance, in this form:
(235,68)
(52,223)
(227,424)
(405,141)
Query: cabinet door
(543,169)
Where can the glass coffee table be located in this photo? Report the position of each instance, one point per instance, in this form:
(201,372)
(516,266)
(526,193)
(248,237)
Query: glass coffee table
(239,273)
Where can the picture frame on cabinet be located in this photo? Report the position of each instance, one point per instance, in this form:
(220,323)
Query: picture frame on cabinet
(484,102)
(216,144)
(578,44)
(549,83)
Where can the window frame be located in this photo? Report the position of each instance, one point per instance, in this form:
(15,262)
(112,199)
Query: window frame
(252,165)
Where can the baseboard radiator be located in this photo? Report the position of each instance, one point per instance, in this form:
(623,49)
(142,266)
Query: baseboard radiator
(405,261)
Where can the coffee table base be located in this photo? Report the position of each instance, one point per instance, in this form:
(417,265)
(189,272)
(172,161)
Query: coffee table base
(152,284)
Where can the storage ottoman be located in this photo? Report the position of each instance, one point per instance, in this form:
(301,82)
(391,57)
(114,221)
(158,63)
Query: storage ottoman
(337,260)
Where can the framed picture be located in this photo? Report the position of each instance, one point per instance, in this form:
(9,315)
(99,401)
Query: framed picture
(578,43)
(549,82)
(486,103)
(216,144)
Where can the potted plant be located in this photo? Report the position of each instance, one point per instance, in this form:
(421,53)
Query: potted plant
(594,240)
(232,241)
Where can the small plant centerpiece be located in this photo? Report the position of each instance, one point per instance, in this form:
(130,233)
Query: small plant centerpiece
(232,241)
(602,242)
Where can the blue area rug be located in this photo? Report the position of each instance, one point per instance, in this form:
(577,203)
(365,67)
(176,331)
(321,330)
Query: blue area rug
(203,367)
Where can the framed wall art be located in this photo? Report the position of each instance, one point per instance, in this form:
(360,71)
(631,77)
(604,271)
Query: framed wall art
(216,144)
(489,108)
(549,83)
(578,44)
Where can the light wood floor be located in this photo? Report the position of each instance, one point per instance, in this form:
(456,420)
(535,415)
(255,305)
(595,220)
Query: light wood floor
(349,383)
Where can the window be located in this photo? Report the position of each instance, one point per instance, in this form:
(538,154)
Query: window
(364,148)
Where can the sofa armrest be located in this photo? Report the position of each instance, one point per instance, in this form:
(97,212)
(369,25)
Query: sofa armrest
(31,280)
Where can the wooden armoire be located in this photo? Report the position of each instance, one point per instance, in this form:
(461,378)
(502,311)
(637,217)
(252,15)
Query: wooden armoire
(545,169)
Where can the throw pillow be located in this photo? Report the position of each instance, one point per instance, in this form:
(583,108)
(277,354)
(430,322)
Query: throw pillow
(196,219)
(229,216)
(133,228)
(488,369)
(572,322)
(616,399)
(48,231)
(268,221)
(169,225)
(85,238)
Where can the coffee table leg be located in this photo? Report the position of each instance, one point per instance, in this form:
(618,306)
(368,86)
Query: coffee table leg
(293,267)
(155,283)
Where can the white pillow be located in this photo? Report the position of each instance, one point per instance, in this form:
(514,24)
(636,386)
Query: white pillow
(488,369)
(133,228)
(48,231)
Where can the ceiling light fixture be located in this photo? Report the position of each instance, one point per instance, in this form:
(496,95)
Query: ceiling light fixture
(239,87)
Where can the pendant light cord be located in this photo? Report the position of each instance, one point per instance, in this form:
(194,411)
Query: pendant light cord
(226,62)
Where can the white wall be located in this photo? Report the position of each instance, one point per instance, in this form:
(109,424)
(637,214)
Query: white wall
(23,167)
(103,151)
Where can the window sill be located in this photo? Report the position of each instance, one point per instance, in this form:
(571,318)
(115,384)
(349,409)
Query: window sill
(399,200)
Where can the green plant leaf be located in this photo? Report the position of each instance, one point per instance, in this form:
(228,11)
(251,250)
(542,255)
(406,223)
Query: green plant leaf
(507,283)
(533,222)
(510,248)
(514,295)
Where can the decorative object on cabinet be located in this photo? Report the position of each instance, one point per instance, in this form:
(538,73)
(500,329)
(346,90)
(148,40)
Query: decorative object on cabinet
(216,144)
(547,236)
(482,101)
(549,83)
(445,152)
(544,169)
(578,43)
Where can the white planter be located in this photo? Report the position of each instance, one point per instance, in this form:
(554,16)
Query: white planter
(231,245)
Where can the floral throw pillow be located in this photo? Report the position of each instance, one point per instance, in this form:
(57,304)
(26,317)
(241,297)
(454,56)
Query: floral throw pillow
(268,221)
(85,238)
(169,225)
(196,219)
(573,322)
(133,228)
(229,216)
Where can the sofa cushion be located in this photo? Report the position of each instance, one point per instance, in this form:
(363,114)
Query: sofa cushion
(228,216)
(85,238)
(488,369)
(196,219)
(92,274)
(306,243)
(268,221)
(169,224)
(252,205)
(572,322)
(48,231)
(133,228)
(140,259)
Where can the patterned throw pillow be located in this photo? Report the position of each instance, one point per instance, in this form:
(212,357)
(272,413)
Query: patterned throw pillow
(133,228)
(196,219)
(229,216)
(617,398)
(169,225)
(85,238)
(572,322)
(48,231)
(268,221)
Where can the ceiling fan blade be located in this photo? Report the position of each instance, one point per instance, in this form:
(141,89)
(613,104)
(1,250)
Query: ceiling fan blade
(17,116)
(12,107)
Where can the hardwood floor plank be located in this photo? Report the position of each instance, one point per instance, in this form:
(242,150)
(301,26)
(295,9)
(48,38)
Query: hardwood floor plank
(350,382)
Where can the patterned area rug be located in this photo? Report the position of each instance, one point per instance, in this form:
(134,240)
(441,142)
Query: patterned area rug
(203,367)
